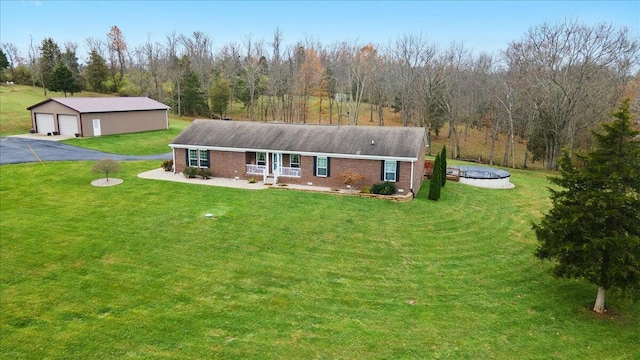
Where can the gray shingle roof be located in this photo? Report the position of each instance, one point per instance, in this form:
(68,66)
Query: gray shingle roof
(107,104)
(330,139)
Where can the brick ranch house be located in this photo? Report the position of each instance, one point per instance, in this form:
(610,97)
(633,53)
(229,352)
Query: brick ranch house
(95,116)
(303,154)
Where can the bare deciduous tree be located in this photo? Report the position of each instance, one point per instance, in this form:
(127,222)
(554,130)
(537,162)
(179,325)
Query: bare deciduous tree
(410,54)
(573,75)
(117,56)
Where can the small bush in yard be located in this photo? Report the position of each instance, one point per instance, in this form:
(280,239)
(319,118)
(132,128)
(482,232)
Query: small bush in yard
(167,165)
(190,172)
(204,173)
(365,190)
(251,181)
(384,188)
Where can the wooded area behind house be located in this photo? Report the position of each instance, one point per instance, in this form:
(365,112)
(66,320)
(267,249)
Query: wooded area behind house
(547,89)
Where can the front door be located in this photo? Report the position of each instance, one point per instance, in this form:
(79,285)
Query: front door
(276,160)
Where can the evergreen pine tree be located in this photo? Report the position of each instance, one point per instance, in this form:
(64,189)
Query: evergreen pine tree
(97,72)
(49,57)
(593,230)
(436,180)
(219,96)
(193,101)
(62,80)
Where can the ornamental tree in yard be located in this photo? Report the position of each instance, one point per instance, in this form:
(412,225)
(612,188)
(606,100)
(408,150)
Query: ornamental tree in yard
(106,166)
(435,181)
(593,229)
(443,165)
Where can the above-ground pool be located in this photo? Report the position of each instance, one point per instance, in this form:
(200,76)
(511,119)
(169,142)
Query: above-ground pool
(485,177)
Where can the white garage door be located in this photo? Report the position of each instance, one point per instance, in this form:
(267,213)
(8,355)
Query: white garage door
(44,122)
(68,124)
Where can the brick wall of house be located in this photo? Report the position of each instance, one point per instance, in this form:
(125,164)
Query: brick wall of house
(232,164)
(180,161)
(227,164)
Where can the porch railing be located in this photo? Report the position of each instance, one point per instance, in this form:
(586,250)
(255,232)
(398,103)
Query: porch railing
(280,171)
(289,171)
(255,169)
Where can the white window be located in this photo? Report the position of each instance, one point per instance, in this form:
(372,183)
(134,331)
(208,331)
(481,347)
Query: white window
(193,157)
(204,158)
(390,167)
(321,166)
(261,158)
(198,158)
(294,160)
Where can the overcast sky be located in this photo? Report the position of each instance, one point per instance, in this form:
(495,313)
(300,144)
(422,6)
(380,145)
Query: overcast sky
(481,25)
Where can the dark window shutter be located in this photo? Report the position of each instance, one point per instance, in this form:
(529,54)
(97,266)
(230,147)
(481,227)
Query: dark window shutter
(382,170)
(315,165)
(208,158)
(328,166)
(186,152)
(397,170)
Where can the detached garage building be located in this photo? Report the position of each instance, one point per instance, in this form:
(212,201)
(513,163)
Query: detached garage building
(97,116)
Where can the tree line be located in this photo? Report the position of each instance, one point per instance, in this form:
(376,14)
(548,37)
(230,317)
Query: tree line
(548,88)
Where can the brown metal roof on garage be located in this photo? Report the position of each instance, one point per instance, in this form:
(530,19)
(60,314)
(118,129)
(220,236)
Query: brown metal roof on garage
(106,104)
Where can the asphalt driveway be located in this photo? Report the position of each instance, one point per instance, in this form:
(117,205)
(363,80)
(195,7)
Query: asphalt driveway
(15,150)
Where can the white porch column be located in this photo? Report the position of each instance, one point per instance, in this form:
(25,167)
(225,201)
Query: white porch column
(412,163)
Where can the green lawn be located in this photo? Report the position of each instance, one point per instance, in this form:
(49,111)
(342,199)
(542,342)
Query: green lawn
(137,271)
(143,143)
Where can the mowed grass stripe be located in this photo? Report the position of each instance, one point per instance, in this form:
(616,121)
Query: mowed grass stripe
(136,270)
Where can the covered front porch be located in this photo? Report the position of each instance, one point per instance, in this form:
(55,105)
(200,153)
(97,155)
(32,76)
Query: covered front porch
(273,165)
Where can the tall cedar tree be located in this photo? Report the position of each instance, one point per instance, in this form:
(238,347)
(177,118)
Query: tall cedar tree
(593,229)
(97,72)
(71,60)
(193,101)
(443,165)
(436,180)
(62,80)
(219,96)
(49,57)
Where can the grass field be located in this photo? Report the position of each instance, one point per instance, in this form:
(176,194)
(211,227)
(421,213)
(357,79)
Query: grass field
(137,271)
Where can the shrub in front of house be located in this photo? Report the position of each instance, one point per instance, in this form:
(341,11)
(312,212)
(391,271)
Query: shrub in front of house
(350,178)
(204,173)
(384,188)
(190,172)
(365,190)
(167,165)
